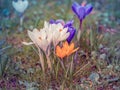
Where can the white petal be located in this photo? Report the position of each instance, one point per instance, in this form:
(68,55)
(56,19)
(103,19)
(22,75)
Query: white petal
(60,25)
(27,43)
(46,24)
(64,31)
(35,30)
(42,34)
(31,35)
(43,45)
(64,37)
(56,35)
(50,38)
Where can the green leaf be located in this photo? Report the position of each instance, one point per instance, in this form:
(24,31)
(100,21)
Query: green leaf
(3,63)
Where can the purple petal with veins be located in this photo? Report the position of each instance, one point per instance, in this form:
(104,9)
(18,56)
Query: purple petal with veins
(75,8)
(82,13)
(52,21)
(69,23)
(88,8)
(72,31)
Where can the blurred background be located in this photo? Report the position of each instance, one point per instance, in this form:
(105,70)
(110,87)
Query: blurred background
(107,12)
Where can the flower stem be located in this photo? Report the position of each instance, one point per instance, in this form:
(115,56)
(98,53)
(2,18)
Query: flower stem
(49,62)
(41,58)
(57,68)
(62,64)
(41,61)
(21,20)
(80,27)
(79,30)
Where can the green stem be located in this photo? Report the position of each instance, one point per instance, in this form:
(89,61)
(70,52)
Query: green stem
(57,68)
(49,62)
(41,59)
(62,64)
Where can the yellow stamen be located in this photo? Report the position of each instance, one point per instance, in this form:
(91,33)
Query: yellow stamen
(60,30)
(40,38)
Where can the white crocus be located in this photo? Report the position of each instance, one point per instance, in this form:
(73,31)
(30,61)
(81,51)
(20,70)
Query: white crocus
(51,33)
(39,38)
(56,32)
(60,33)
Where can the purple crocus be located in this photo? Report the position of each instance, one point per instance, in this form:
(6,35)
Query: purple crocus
(71,29)
(81,11)
(56,21)
(68,25)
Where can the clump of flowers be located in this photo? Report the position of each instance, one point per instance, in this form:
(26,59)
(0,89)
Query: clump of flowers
(69,25)
(55,39)
(63,63)
(51,34)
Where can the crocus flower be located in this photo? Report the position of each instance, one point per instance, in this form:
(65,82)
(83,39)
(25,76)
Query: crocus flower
(71,29)
(42,39)
(39,38)
(81,11)
(68,25)
(20,5)
(56,32)
(65,50)
(56,21)
(51,33)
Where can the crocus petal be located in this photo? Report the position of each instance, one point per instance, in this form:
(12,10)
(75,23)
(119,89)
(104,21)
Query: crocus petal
(31,35)
(60,21)
(71,47)
(64,31)
(82,13)
(73,51)
(55,38)
(59,52)
(43,34)
(72,33)
(52,21)
(65,50)
(27,43)
(88,8)
(64,37)
(65,45)
(46,25)
(56,21)
(59,26)
(69,23)
(20,5)
(75,7)
(36,32)
(43,44)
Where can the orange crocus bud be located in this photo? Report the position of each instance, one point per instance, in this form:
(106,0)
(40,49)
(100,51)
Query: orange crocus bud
(65,50)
